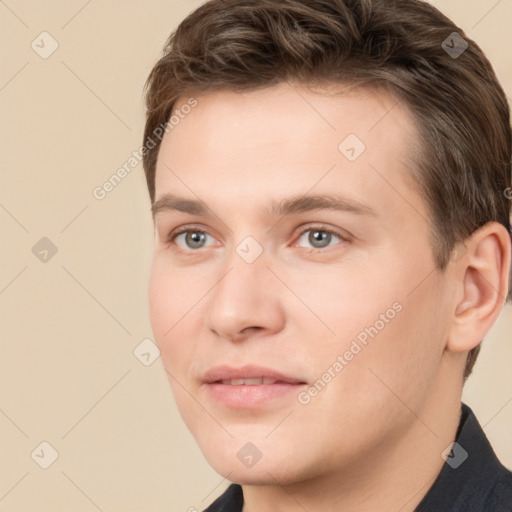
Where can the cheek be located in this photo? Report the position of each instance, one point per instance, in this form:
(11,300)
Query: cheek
(176,313)
(389,341)
(160,302)
(172,294)
(168,306)
(342,307)
(399,362)
(366,398)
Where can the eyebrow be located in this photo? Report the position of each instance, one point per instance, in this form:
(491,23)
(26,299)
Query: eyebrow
(274,208)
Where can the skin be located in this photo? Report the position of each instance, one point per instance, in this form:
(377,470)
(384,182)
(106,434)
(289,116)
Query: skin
(372,438)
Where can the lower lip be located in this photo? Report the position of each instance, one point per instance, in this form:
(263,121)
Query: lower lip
(251,395)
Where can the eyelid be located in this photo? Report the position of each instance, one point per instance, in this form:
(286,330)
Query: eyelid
(185,228)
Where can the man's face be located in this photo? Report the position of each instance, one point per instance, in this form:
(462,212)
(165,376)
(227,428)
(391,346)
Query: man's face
(344,301)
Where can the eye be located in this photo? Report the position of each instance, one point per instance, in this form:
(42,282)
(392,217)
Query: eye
(189,238)
(319,237)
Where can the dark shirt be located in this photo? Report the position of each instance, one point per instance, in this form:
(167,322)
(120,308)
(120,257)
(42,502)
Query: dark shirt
(471,480)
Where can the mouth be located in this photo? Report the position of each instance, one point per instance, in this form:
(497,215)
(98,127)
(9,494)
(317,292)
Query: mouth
(258,381)
(249,386)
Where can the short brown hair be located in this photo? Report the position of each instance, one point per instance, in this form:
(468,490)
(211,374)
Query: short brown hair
(463,161)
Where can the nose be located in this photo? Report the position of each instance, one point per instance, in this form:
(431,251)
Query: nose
(246,301)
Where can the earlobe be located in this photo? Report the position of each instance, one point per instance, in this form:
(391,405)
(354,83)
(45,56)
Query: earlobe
(482,280)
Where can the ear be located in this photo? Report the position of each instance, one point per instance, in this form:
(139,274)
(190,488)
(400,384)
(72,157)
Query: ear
(481,274)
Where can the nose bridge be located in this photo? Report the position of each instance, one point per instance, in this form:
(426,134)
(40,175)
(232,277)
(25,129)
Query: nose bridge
(245,274)
(244,296)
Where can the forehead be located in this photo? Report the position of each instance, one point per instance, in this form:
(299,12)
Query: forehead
(285,138)
(324,107)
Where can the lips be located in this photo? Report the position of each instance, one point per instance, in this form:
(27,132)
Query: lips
(250,386)
(250,382)
(247,375)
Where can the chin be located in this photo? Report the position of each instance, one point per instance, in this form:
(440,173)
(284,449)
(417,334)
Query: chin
(267,467)
(257,475)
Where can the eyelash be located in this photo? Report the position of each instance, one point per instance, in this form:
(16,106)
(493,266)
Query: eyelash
(195,228)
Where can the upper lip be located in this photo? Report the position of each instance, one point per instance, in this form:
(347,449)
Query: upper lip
(225,372)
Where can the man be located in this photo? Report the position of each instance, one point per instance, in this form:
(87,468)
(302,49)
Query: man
(332,244)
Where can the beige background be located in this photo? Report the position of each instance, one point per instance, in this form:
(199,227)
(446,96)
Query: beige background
(69,326)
